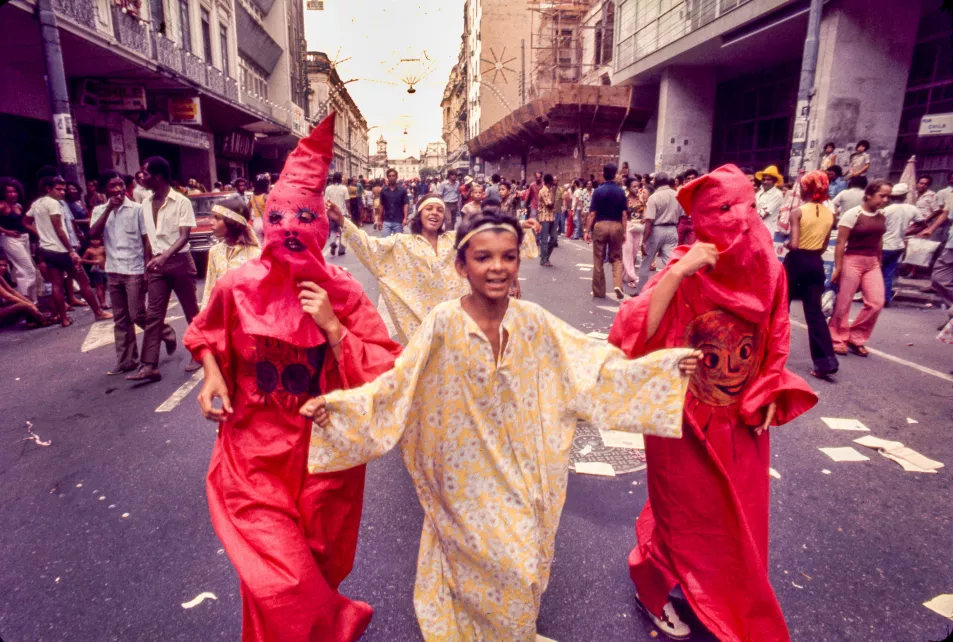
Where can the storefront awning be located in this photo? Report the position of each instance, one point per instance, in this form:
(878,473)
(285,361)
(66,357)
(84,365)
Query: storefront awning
(560,116)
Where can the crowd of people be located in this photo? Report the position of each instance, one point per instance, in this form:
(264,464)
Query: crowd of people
(478,389)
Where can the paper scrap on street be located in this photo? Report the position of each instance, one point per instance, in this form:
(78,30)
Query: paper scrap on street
(198,599)
(543,638)
(845,453)
(844,424)
(32,436)
(585,451)
(602,336)
(912,421)
(909,459)
(942,604)
(825,471)
(774,473)
(619,439)
(595,468)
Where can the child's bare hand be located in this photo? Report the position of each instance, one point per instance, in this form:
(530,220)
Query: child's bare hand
(689,364)
(317,410)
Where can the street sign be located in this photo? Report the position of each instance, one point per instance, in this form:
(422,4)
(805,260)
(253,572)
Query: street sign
(185,110)
(112,97)
(936,125)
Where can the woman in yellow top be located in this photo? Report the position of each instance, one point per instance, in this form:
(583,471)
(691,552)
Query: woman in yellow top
(811,226)
(239,242)
(483,404)
(415,271)
(257,204)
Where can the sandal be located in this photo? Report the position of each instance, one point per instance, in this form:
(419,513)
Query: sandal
(860,351)
(824,376)
(841,351)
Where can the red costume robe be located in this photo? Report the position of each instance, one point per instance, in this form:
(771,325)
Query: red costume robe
(705,525)
(291,536)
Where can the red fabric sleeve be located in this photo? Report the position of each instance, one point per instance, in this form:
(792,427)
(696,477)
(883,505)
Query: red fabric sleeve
(628,330)
(210,332)
(367,350)
(777,384)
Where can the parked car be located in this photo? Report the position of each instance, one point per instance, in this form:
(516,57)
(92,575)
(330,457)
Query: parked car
(202,238)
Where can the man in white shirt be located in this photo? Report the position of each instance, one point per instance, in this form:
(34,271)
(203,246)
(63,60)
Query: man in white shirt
(770,197)
(169,218)
(899,215)
(56,250)
(337,193)
(851,197)
(139,192)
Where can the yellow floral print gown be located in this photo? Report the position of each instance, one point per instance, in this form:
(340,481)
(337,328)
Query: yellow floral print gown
(221,259)
(412,277)
(488,448)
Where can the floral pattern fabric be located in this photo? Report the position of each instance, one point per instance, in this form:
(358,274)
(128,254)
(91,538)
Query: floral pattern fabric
(413,278)
(487,445)
(221,259)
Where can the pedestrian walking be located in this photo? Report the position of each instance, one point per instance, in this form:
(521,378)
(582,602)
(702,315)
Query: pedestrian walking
(120,225)
(686,236)
(532,195)
(899,215)
(51,220)
(337,193)
(704,528)
(278,330)
(169,219)
(851,197)
(394,203)
(15,238)
(354,201)
(860,233)
(605,227)
(257,203)
(449,193)
(929,210)
(474,203)
(660,237)
(769,197)
(634,231)
(811,225)
(488,389)
(941,278)
(546,215)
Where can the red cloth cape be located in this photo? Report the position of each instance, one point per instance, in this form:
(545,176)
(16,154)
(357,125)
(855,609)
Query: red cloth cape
(291,536)
(705,526)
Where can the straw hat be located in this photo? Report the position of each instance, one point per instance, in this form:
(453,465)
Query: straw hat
(771,171)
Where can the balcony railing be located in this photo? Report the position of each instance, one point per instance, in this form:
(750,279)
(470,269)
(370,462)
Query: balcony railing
(80,11)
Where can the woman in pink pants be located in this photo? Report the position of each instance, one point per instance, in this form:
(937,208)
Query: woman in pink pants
(860,234)
(633,236)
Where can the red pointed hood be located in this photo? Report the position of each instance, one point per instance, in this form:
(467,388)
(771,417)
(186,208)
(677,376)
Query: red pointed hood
(723,210)
(296,229)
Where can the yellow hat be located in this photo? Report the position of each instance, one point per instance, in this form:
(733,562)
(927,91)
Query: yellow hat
(772,171)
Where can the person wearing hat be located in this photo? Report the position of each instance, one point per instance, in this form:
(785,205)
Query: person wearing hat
(899,216)
(769,197)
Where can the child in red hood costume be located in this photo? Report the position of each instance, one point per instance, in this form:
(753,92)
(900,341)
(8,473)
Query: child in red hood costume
(290,535)
(705,525)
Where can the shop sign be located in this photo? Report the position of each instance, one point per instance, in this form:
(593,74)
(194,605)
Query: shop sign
(166,133)
(112,97)
(936,125)
(238,145)
(185,110)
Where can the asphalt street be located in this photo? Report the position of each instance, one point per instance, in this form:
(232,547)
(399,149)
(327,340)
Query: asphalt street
(106,530)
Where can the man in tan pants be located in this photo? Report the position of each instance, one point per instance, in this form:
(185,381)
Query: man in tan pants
(605,227)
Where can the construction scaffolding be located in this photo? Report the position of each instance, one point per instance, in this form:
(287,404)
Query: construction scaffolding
(571,42)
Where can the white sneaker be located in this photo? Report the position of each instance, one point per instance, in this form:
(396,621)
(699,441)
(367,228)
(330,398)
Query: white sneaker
(669,624)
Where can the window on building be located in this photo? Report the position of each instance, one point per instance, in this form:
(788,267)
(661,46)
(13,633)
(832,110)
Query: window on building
(185,26)
(207,36)
(604,32)
(223,39)
(253,79)
(157,12)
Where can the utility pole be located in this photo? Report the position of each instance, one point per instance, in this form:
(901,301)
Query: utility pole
(522,72)
(59,97)
(805,90)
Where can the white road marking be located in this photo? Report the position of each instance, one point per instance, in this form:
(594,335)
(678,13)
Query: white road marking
(101,333)
(169,404)
(608,308)
(890,357)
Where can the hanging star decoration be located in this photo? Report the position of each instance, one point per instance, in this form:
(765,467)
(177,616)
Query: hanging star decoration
(499,65)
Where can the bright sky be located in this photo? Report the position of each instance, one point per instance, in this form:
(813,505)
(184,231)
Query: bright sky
(375,36)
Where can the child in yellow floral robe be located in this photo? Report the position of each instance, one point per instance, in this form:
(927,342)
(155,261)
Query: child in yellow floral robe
(483,404)
(239,242)
(415,271)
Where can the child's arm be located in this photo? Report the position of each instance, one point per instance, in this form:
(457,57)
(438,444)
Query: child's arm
(353,427)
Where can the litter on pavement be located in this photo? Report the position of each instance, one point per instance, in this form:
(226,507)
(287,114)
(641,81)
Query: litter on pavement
(620,439)
(198,599)
(32,436)
(912,421)
(909,459)
(942,604)
(595,468)
(845,453)
(586,450)
(845,424)
(774,473)
(598,335)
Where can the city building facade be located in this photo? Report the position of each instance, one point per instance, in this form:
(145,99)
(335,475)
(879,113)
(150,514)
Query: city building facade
(454,112)
(159,77)
(329,93)
(434,156)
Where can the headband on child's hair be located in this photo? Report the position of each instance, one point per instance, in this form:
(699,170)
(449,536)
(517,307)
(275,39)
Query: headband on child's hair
(505,227)
(429,199)
(237,218)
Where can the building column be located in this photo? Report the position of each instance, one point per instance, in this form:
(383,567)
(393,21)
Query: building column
(861,79)
(686,116)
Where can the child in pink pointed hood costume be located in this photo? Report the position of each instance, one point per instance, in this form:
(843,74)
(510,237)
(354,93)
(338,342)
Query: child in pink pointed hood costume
(277,331)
